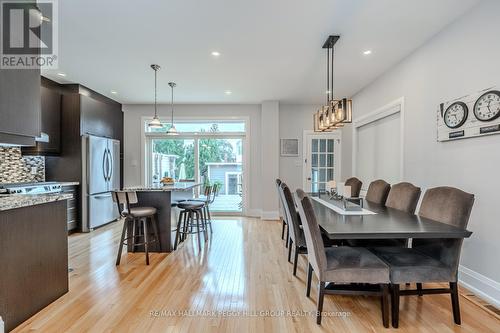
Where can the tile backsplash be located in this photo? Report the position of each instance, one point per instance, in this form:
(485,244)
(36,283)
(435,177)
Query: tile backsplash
(15,168)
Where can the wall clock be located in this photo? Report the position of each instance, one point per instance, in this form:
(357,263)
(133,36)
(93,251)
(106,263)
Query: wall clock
(456,115)
(487,106)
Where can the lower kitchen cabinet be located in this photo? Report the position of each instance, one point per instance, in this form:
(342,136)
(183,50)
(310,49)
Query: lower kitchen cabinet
(73,207)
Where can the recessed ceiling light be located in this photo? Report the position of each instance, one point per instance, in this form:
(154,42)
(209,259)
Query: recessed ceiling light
(114,92)
(367,52)
(228,92)
(215,53)
(61,74)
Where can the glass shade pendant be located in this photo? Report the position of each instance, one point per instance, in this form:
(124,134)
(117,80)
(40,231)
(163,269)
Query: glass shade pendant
(172,130)
(155,123)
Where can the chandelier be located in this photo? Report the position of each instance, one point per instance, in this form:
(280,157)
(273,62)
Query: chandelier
(336,112)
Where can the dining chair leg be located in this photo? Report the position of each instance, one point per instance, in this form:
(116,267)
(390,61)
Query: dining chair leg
(185,226)
(122,240)
(385,305)
(321,298)
(395,305)
(134,234)
(198,229)
(295,259)
(455,303)
(309,278)
(204,224)
(290,251)
(419,289)
(282,229)
(146,239)
(178,233)
(209,217)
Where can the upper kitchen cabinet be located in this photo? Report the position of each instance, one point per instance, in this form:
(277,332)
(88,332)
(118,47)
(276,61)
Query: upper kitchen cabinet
(19,106)
(49,142)
(99,115)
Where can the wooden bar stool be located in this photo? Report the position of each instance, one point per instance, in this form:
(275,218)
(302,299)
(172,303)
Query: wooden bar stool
(138,220)
(191,221)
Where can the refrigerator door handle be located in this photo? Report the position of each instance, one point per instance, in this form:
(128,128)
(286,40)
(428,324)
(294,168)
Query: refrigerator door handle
(102,196)
(104,165)
(111,162)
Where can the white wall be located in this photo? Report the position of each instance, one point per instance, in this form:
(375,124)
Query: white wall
(461,59)
(270,158)
(132,139)
(294,119)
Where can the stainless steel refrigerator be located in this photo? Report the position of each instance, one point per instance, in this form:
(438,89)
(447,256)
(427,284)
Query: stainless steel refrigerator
(101,176)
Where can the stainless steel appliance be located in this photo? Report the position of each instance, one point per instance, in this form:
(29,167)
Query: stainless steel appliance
(101,176)
(30,188)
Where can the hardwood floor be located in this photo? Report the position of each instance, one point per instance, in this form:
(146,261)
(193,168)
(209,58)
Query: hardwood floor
(243,268)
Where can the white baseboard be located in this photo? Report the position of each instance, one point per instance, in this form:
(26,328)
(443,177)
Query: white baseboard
(254,212)
(482,286)
(270,215)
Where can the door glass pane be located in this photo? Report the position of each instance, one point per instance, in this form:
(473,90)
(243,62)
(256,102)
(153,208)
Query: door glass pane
(172,158)
(221,165)
(330,160)
(314,160)
(322,175)
(330,175)
(322,160)
(315,145)
(322,145)
(314,175)
(330,145)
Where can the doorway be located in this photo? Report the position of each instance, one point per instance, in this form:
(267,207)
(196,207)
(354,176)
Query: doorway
(322,153)
(210,153)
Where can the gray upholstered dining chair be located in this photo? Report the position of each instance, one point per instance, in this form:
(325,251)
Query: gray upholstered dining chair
(282,213)
(403,196)
(355,185)
(378,192)
(341,265)
(430,260)
(297,239)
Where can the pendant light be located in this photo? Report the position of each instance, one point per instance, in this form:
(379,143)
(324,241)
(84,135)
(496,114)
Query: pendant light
(155,123)
(335,113)
(172,130)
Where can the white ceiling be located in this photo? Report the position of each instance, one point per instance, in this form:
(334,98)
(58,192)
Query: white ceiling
(270,49)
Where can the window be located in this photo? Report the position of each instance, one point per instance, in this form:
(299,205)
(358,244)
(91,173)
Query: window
(201,127)
(207,152)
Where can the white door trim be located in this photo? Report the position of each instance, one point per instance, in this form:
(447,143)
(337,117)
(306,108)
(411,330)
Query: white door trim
(337,135)
(396,106)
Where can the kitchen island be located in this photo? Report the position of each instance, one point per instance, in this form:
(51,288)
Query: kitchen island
(33,254)
(161,197)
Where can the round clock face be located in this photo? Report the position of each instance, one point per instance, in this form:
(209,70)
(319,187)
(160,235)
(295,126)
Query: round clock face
(456,115)
(487,107)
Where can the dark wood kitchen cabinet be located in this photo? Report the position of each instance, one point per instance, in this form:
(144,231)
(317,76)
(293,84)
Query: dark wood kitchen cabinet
(19,105)
(83,111)
(50,122)
(33,260)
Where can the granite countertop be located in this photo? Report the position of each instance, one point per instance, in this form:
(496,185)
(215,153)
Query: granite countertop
(25,200)
(180,186)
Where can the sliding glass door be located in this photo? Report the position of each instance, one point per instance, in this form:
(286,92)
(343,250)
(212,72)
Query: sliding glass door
(220,163)
(207,156)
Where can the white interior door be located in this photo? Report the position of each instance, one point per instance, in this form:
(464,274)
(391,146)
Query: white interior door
(322,154)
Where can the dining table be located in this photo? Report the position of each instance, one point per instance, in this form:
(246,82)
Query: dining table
(374,221)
